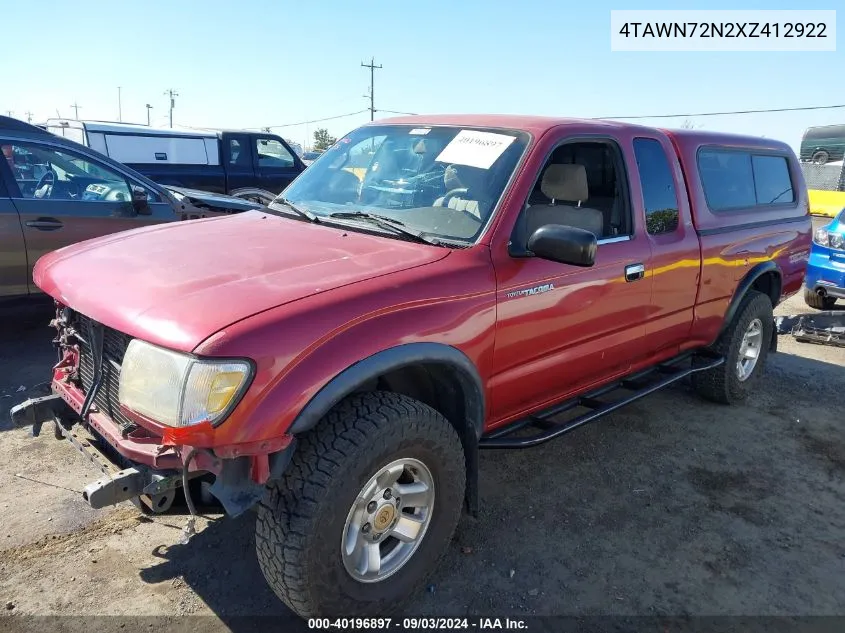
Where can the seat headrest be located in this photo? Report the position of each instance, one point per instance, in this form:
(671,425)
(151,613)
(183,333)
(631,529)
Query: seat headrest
(565,182)
(463,177)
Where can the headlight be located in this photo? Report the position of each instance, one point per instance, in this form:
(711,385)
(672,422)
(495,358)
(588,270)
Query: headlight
(837,240)
(821,237)
(176,389)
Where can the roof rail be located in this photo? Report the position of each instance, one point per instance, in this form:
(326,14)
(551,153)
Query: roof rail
(16,125)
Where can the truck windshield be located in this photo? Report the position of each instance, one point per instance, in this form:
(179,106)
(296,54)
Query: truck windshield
(441,181)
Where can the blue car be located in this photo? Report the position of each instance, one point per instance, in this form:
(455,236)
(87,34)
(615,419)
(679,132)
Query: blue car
(824,281)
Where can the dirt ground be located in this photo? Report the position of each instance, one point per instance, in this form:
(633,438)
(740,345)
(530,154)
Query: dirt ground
(672,506)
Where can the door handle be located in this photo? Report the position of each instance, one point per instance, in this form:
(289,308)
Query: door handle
(633,272)
(45,224)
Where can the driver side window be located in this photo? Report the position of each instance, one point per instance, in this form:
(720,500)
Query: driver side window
(44,172)
(582,185)
(271,153)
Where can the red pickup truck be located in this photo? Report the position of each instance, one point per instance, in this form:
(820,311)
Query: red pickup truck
(429,287)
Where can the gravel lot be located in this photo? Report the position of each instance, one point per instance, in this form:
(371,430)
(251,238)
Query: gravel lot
(673,506)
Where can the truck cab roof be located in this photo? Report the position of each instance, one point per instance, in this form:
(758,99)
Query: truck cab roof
(538,125)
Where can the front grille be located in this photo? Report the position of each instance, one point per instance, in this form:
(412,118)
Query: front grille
(114,348)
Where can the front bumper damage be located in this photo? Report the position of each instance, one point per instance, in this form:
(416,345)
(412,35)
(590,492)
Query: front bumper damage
(154,488)
(145,472)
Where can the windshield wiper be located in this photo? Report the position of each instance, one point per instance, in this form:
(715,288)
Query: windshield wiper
(303,213)
(386,222)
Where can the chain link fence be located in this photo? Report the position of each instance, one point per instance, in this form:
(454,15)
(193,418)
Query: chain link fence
(824,177)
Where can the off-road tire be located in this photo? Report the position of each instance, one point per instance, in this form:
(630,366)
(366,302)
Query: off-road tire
(722,384)
(301,520)
(813,300)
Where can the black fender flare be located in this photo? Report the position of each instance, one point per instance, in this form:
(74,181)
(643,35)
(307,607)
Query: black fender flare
(362,372)
(746,284)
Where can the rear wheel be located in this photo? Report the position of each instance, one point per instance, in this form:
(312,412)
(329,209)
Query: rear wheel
(745,346)
(366,509)
(820,157)
(814,300)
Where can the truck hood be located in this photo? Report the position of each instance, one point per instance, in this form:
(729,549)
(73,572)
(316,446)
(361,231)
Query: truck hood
(176,284)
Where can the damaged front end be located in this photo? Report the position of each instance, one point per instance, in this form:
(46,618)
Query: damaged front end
(140,461)
(825,328)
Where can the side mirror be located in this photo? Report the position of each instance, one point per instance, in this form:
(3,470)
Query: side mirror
(564,244)
(140,201)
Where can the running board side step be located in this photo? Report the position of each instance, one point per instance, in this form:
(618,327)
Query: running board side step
(640,384)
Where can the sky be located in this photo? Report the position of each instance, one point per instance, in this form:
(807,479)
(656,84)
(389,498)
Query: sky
(257,63)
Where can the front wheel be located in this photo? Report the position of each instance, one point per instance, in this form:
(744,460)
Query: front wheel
(745,346)
(366,509)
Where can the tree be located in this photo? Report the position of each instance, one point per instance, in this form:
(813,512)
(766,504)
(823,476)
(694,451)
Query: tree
(323,140)
(662,221)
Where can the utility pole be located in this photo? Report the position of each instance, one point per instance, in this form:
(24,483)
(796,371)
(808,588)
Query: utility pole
(372,66)
(76,107)
(9,112)
(28,116)
(173,94)
(119,108)
(149,107)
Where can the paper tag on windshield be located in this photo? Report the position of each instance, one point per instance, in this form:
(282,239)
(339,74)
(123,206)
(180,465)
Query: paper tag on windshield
(475,149)
(420,130)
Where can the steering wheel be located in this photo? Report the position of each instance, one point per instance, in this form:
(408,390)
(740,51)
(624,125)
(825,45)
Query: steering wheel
(451,194)
(455,192)
(48,175)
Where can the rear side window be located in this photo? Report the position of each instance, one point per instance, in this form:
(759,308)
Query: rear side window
(735,179)
(772,184)
(659,196)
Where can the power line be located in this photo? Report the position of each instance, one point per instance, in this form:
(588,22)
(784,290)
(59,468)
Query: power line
(372,66)
(329,118)
(641,116)
(672,116)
